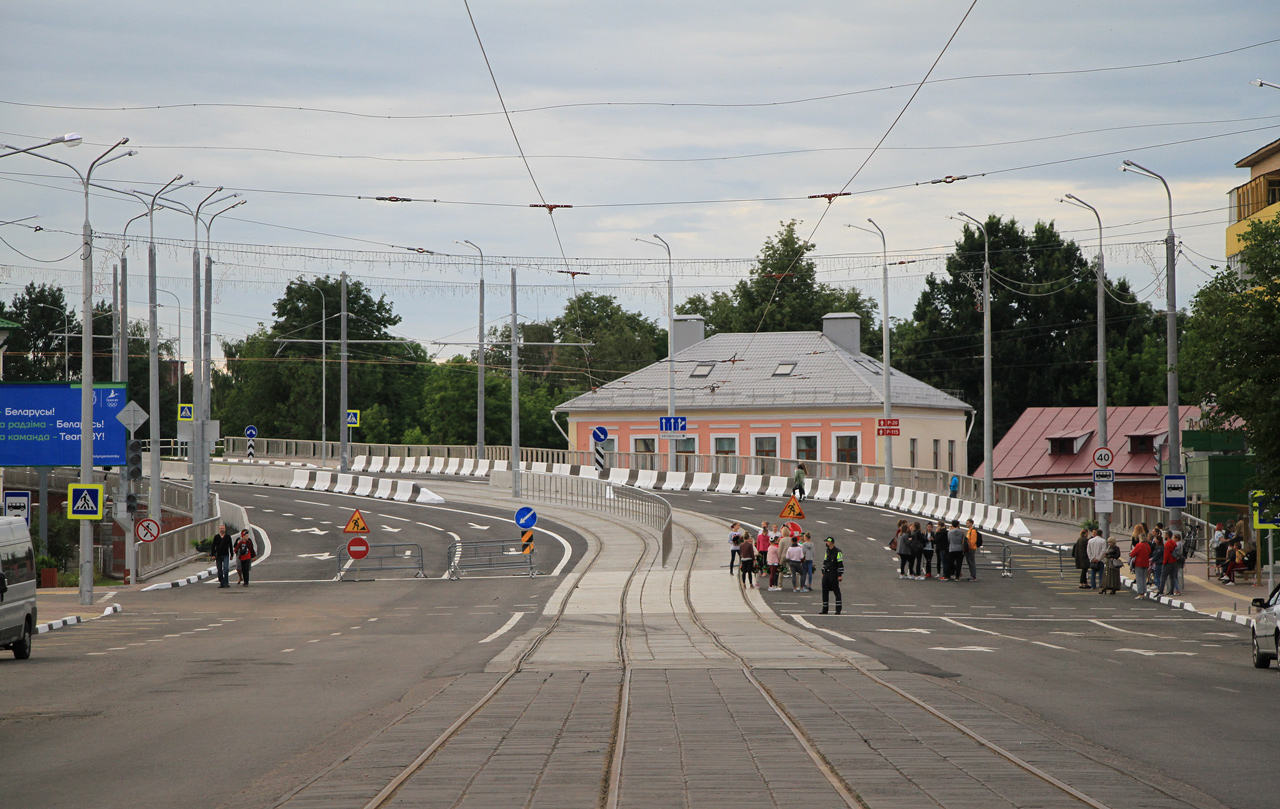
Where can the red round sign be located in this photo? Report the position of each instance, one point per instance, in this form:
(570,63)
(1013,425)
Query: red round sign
(795,527)
(358,548)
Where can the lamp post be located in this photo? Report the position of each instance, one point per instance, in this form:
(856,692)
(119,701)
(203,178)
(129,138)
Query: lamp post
(479,359)
(66,342)
(324,381)
(671,348)
(86,358)
(1104,517)
(884,334)
(71,139)
(207,374)
(1255,83)
(988,443)
(1171,337)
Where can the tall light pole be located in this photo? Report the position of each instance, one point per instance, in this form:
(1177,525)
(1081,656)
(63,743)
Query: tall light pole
(884,336)
(207,375)
(86,360)
(1171,337)
(324,382)
(988,442)
(479,359)
(344,432)
(515,394)
(1104,517)
(671,348)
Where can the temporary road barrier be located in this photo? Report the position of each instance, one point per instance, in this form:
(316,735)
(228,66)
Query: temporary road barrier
(490,554)
(381,557)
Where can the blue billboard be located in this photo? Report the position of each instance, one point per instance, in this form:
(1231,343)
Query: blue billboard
(40,424)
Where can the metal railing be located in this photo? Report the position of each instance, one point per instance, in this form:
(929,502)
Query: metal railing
(465,556)
(383,556)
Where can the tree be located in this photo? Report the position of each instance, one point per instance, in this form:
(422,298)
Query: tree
(1230,355)
(38,352)
(782,294)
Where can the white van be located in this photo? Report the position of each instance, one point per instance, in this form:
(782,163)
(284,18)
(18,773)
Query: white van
(17,587)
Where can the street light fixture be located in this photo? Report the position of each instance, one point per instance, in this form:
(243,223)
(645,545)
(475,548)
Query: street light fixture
(988,440)
(1261,83)
(479,357)
(884,332)
(671,346)
(71,139)
(1171,336)
(207,374)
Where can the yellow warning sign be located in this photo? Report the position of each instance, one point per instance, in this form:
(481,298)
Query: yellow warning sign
(526,542)
(792,510)
(356,525)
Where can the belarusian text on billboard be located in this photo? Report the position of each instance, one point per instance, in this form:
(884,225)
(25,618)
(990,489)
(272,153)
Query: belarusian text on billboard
(40,424)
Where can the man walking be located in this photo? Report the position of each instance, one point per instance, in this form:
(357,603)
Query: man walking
(222,555)
(832,574)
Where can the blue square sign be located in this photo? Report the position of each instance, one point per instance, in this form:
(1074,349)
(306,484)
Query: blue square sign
(1174,491)
(85,501)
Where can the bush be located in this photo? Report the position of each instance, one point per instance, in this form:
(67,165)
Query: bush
(43,562)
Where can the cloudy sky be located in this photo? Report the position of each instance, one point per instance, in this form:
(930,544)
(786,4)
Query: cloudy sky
(706,123)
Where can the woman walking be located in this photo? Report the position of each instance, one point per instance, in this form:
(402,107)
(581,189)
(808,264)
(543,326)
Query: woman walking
(797,481)
(902,543)
(747,564)
(735,543)
(807,545)
(244,553)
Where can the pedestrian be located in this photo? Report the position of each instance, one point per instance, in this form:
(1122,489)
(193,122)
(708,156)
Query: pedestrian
(747,564)
(955,550)
(773,558)
(797,481)
(1080,553)
(832,574)
(940,546)
(807,546)
(1097,549)
(1140,561)
(795,564)
(245,553)
(1174,557)
(902,544)
(1139,535)
(735,543)
(1111,567)
(917,544)
(1236,560)
(926,550)
(1156,541)
(762,545)
(972,541)
(222,543)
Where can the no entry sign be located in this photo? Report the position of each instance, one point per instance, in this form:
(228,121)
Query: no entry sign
(358,548)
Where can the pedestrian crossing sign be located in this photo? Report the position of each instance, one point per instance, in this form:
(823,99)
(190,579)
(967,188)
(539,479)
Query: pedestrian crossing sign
(353,418)
(186,412)
(85,501)
(357,524)
(792,510)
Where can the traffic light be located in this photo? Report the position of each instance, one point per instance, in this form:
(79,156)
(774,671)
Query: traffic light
(131,503)
(133,460)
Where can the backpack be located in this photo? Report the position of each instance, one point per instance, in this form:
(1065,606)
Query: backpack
(1178,555)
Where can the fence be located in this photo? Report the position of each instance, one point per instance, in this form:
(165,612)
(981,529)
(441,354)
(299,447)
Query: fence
(489,554)
(383,556)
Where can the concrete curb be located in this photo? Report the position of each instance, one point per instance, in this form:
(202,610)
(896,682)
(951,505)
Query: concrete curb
(166,585)
(1179,604)
(75,619)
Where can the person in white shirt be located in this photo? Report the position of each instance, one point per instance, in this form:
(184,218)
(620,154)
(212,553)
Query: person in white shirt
(795,563)
(1097,549)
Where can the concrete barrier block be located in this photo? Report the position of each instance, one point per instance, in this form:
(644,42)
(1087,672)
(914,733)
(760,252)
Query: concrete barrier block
(647,479)
(824,490)
(847,491)
(752,484)
(344,483)
(778,486)
(323,481)
(675,481)
(385,486)
(364,485)
(728,484)
(375,464)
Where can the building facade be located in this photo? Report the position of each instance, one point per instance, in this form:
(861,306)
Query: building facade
(1258,199)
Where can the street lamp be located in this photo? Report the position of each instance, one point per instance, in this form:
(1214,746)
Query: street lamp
(1261,83)
(324,384)
(884,333)
(71,139)
(86,357)
(671,347)
(66,342)
(207,374)
(479,358)
(1171,337)
(988,443)
(1104,517)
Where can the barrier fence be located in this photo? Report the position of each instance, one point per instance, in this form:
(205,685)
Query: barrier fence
(465,556)
(382,556)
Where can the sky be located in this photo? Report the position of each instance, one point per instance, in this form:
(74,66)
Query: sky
(708,124)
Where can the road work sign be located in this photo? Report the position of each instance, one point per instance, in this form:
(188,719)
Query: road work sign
(357,524)
(792,510)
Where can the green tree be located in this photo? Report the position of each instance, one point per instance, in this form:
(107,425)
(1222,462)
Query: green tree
(1230,355)
(37,352)
(783,294)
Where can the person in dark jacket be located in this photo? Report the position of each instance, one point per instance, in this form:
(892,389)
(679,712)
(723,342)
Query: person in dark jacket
(832,574)
(222,555)
(1080,553)
(940,544)
(245,552)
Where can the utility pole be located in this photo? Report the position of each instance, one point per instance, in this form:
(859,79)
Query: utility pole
(344,431)
(479,359)
(515,394)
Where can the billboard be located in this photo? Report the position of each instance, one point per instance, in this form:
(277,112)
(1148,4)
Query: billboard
(40,424)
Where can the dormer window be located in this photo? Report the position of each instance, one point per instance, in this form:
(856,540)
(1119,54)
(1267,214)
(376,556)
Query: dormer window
(1062,446)
(784,369)
(702,370)
(1142,444)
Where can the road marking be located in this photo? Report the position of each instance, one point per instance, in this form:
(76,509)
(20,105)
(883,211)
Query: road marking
(321,556)
(312,503)
(1126,631)
(831,632)
(917,631)
(1149,653)
(432,527)
(311,530)
(392,530)
(1224,688)
(512,621)
(282,651)
(394,517)
(962,648)
(317,640)
(260,495)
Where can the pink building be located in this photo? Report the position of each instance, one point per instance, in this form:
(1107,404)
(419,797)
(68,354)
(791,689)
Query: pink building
(808,395)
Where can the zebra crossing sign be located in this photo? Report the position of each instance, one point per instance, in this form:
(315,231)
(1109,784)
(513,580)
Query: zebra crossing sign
(85,501)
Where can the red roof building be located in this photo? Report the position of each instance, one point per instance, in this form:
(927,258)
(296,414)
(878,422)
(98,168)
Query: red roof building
(1052,448)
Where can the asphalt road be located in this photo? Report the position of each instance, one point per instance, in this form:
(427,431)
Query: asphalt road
(200,696)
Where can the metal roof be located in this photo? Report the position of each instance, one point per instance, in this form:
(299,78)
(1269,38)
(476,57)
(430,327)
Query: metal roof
(745,376)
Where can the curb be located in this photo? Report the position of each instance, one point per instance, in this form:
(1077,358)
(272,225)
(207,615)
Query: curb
(166,585)
(1179,604)
(75,619)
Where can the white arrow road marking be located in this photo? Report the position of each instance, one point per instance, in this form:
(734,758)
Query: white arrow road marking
(962,649)
(312,530)
(832,633)
(1149,653)
(321,556)
(512,621)
(920,631)
(478,527)
(392,530)
(1126,631)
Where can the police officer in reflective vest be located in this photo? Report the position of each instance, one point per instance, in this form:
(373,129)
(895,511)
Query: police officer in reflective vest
(832,573)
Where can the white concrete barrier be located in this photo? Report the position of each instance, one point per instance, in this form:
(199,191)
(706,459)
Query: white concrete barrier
(483,467)
(385,486)
(778,486)
(847,491)
(375,464)
(646,479)
(675,481)
(752,484)
(701,482)
(344,483)
(824,490)
(727,484)
(364,485)
(883,493)
(619,476)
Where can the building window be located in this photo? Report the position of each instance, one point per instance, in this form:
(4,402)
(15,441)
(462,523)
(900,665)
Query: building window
(784,369)
(767,446)
(685,446)
(951,455)
(937,453)
(1062,446)
(847,448)
(727,446)
(608,445)
(806,447)
(1142,444)
(645,444)
(702,369)
(913,453)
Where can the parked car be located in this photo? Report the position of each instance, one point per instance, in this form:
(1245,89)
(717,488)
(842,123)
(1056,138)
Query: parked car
(17,587)
(1266,629)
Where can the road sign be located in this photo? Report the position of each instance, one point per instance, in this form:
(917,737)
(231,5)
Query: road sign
(1104,476)
(792,510)
(250,432)
(887,423)
(353,418)
(672,428)
(85,501)
(186,412)
(795,527)
(526,517)
(146,530)
(131,416)
(526,542)
(249,449)
(1104,490)
(600,435)
(1266,510)
(1175,491)
(18,504)
(888,430)
(1102,457)
(358,548)
(357,524)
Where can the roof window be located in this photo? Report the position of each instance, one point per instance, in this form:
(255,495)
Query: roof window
(702,369)
(784,369)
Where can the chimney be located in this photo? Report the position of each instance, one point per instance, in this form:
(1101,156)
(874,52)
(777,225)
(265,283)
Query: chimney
(687,330)
(844,329)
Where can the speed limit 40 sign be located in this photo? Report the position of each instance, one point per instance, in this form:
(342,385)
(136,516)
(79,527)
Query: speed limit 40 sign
(1102,457)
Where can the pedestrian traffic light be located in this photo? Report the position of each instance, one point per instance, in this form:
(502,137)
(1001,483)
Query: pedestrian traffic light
(131,503)
(133,459)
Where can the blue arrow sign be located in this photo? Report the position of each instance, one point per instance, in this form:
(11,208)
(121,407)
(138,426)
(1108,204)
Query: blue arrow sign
(250,432)
(526,517)
(673,424)
(600,435)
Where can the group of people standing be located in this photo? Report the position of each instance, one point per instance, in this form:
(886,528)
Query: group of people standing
(1157,557)
(953,546)
(774,551)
